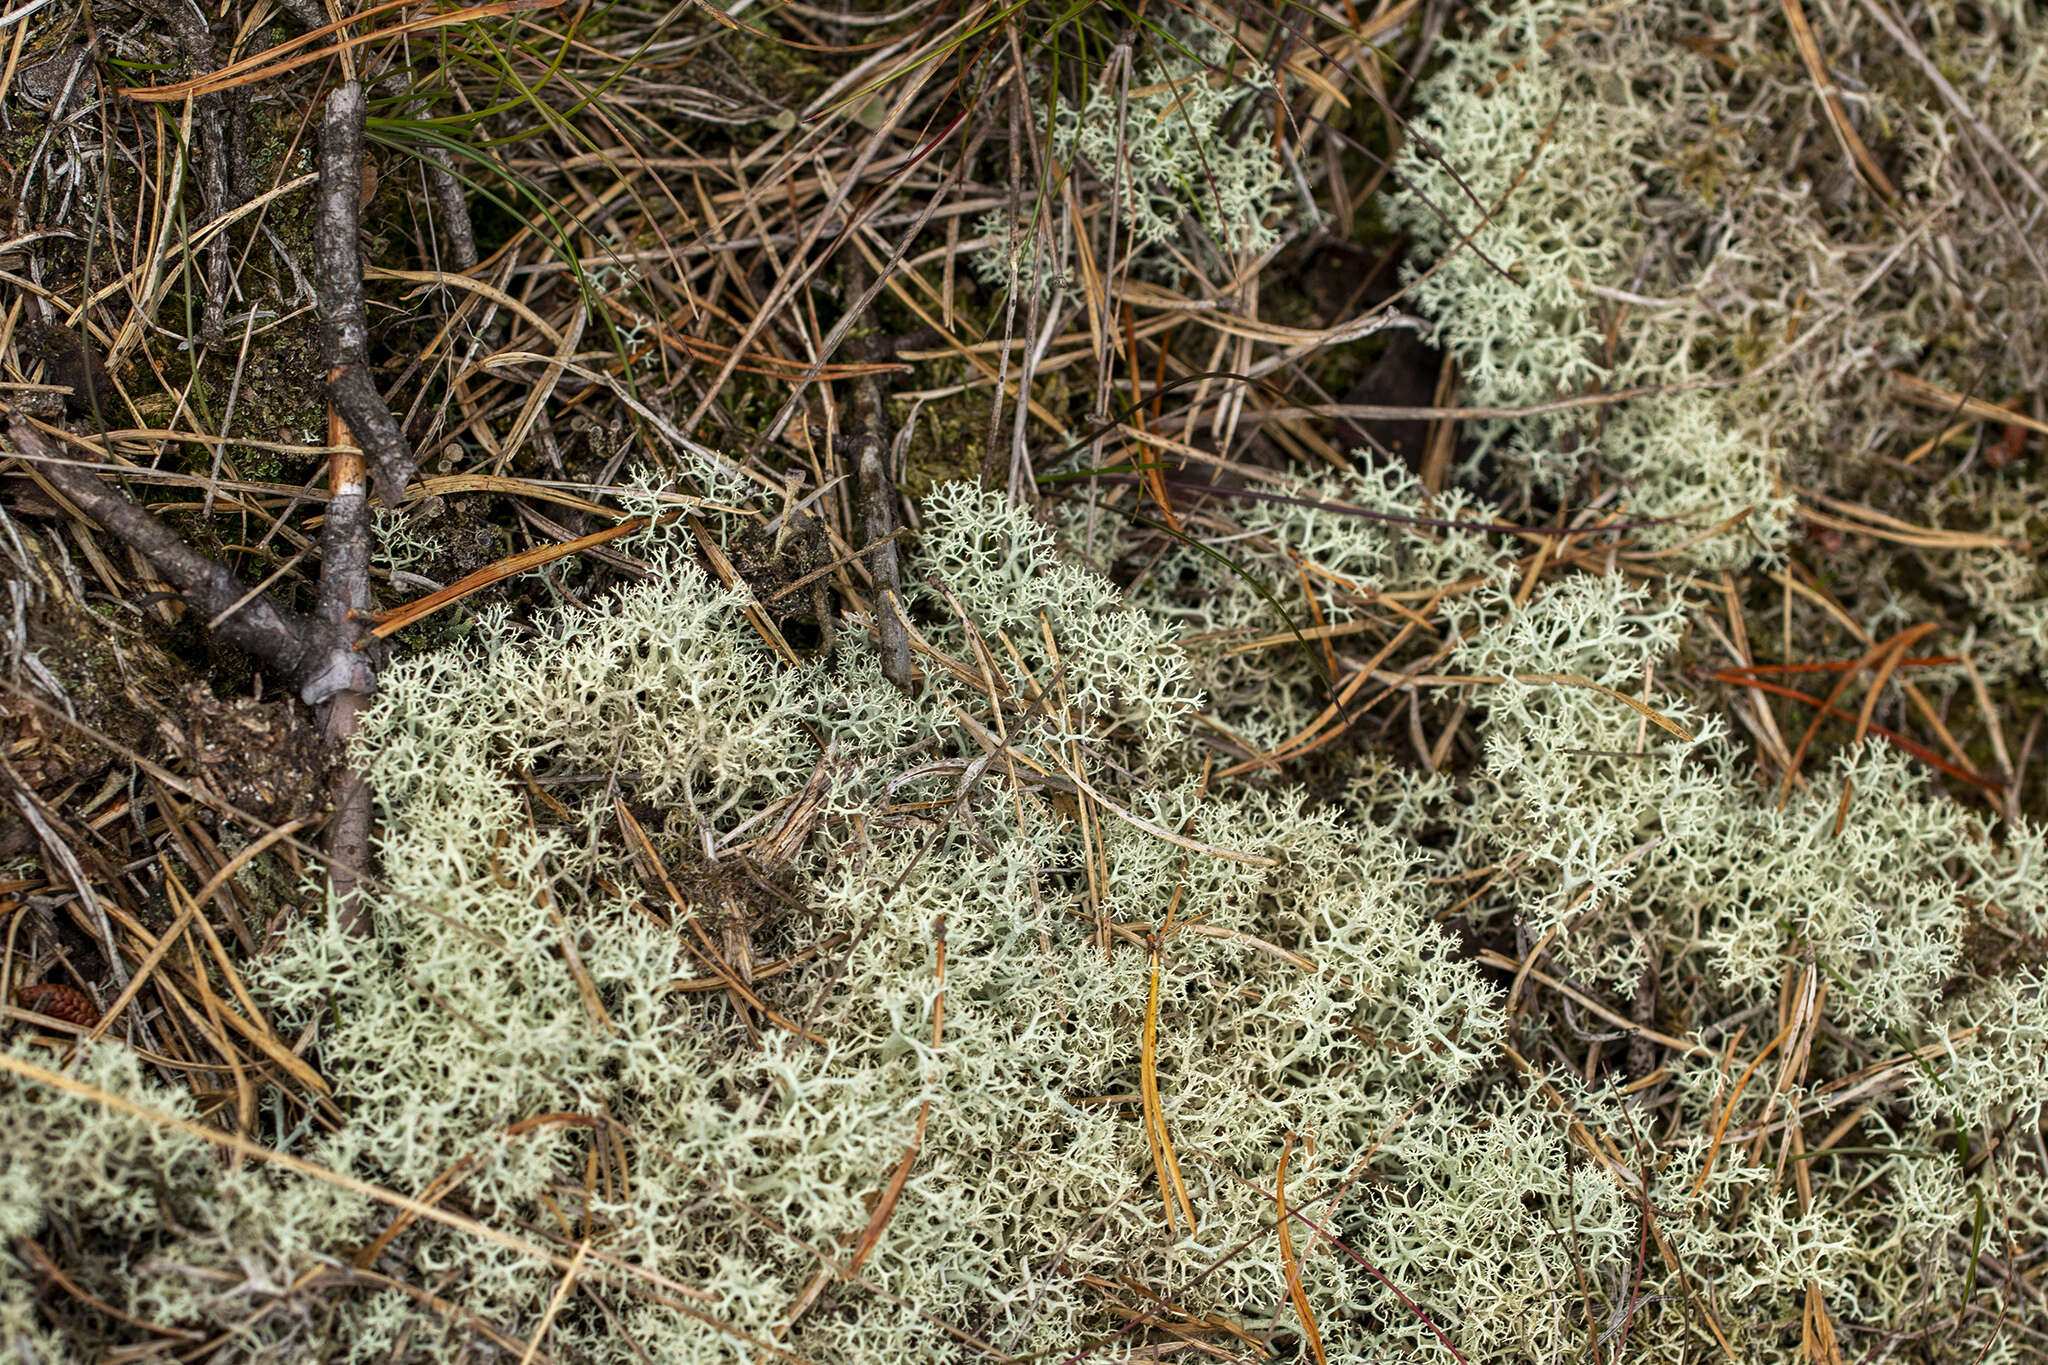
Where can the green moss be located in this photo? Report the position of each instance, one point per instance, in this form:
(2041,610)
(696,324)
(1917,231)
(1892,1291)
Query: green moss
(949,441)
(781,73)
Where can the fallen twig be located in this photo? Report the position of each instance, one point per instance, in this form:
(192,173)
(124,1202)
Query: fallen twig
(250,621)
(338,274)
(879,518)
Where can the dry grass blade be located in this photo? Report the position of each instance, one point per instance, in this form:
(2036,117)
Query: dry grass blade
(1290,1263)
(1892,737)
(1881,655)
(1863,522)
(547,1317)
(1172,1189)
(185,913)
(1161,832)
(269,64)
(1502,962)
(761,621)
(1892,25)
(1831,100)
(48,1267)
(390,622)
(1728,1108)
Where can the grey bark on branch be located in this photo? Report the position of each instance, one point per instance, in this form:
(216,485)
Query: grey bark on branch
(338,279)
(188,22)
(250,621)
(350,658)
(451,210)
(328,657)
(879,514)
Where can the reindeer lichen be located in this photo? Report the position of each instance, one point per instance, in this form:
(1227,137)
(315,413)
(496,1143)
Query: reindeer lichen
(513,1025)
(1181,139)
(664,928)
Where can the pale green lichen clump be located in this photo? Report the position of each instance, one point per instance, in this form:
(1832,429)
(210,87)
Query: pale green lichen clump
(1544,139)
(1181,142)
(1653,197)
(510,1025)
(510,1040)
(1376,530)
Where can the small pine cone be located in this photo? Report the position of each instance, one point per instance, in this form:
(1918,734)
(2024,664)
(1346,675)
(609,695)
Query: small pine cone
(68,1003)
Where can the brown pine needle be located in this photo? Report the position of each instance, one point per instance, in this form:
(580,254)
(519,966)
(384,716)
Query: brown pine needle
(1721,1124)
(391,622)
(1292,1264)
(1171,1188)
(1893,737)
(1877,654)
(1838,118)
(269,64)
(1640,707)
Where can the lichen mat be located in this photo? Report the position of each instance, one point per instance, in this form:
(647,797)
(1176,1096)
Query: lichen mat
(516,1014)
(1112,990)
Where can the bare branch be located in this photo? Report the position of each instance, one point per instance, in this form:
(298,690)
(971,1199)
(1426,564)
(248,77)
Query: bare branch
(338,275)
(250,621)
(451,211)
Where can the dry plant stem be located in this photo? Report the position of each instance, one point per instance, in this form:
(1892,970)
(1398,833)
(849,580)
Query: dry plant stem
(338,273)
(344,595)
(879,517)
(348,674)
(995,413)
(318,656)
(253,623)
(213,191)
(878,528)
(451,209)
(190,26)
